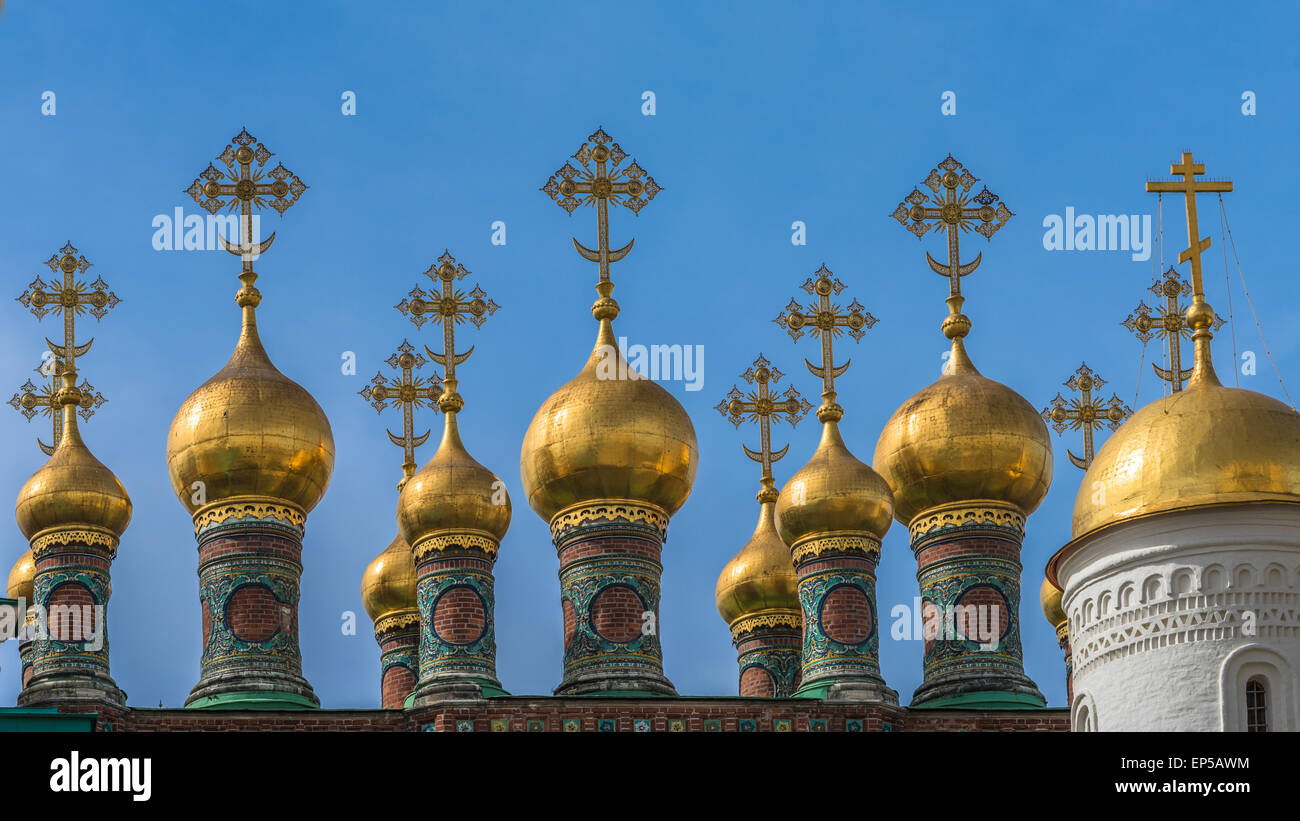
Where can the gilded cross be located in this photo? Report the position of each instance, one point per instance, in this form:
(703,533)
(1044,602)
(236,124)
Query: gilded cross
(448,306)
(951,208)
(1190,187)
(825,319)
(760,406)
(599,180)
(243,186)
(1086,412)
(409,392)
(1169,323)
(70,298)
(43,399)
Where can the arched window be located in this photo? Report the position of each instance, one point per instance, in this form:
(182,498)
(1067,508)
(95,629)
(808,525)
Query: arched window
(1256,705)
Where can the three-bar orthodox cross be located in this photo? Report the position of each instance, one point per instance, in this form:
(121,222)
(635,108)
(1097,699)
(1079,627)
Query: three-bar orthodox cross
(1087,412)
(1169,323)
(1190,187)
(599,180)
(825,319)
(761,407)
(448,306)
(409,392)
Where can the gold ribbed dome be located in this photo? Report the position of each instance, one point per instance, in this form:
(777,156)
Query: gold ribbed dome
(453,492)
(833,493)
(72,488)
(1050,598)
(1207,445)
(250,431)
(964,438)
(608,438)
(759,577)
(388,585)
(21,578)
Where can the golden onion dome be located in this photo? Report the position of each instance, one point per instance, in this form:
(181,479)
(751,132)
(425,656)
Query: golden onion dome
(759,577)
(22,577)
(834,492)
(452,492)
(388,585)
(964,438)
(608,434)
(250,431)
(72,488)
(1206,445)
(1049,596)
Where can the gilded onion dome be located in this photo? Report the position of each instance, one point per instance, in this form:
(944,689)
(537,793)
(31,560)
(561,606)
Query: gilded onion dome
(1049,596)
(964,438)
(250,431)
(21,578)
(608,434)
(1206,445)
(72,488)
(388,585)
(761,576)
(834,492)
(452,492)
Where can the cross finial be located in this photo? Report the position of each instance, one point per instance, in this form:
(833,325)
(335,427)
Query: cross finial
(1189,170)
(952,208)
(761,407)
(600,180)
(449,307)
(1087,412)
(1169,323)
(244,184)
(408,392)
(826,320)
(42,399)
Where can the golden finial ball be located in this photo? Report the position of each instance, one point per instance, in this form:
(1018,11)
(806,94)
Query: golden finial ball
(1199,315)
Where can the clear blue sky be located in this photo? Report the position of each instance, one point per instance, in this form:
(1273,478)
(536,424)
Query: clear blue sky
(766,113)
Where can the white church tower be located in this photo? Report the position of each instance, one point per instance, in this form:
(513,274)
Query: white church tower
(1181,582)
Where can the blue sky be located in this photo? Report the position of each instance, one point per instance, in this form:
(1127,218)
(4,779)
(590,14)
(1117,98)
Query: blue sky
(766,113)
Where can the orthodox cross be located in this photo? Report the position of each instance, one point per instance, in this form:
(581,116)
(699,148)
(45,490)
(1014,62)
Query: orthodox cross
(1086,412)
(449,307)
(600,180)
(760,406)
(70,298)
(43,399)
(825,319)
(1190,187)
(242,186)
(1169,323)
(409,392)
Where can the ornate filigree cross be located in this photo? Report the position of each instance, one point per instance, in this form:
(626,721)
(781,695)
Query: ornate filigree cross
(599,180)
(1188,169)
(70,298)
(826,320)
(243,186)
(42,399)
(408,392)
(1169,323)
(761,407)
(1086,412)
(449,307)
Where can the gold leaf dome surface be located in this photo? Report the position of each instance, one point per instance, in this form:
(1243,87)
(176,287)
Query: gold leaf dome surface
(833,493)
(608,438)
(388,585)
(250,431)
(72,488)
(453,492)
(21,578)
(1206,445)
(964,438)
(1050,599)
(761,576)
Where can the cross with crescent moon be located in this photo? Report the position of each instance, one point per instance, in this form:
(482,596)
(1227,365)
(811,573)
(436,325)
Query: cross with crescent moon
(825,319)
(760,406)
(45,398)
(1087,412)
(409,392)
(1169,323)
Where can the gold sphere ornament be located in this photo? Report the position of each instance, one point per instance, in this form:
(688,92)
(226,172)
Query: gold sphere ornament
(609,433)
(388,585)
